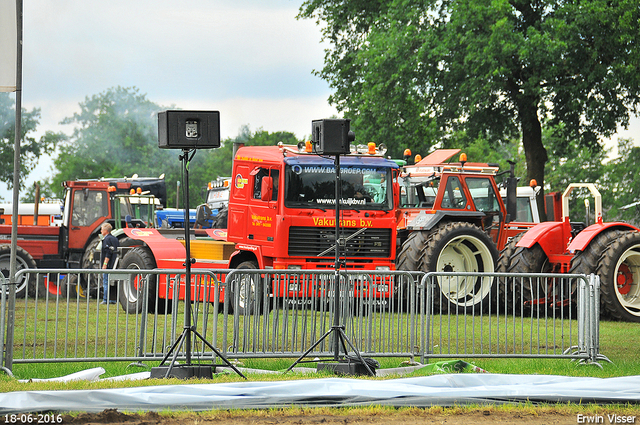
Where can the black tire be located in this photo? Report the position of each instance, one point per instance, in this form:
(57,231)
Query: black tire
(619,271)
(505,299)
(24,260)
(460,247)
(586,261)
(409,260)
(247,292)
(531,294)
(220,220)
(69,286)
(91,283)
(131,290)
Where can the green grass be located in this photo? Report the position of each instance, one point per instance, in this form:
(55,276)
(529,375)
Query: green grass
(616,342)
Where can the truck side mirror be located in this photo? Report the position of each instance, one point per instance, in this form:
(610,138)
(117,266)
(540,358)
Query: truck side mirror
(266,188)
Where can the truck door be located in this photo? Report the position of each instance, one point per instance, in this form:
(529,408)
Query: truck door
(262,215)
(88,209)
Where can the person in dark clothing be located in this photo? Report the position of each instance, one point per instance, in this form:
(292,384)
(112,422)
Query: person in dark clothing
(108,257)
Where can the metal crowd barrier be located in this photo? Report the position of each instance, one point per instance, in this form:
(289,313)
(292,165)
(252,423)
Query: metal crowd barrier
(261,314)
(524,315)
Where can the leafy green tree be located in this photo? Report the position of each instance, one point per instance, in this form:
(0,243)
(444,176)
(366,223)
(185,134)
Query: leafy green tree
(416,71)
(621,183)
(572,163)
(221,159)
(30,148)
(115,135)
(218,162)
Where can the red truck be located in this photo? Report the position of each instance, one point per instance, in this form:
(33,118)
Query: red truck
(281,215)
(87,204)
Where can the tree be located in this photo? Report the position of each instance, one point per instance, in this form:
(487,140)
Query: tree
(621,183)
(420,70)
(30,148)
(115,135)
(221,159)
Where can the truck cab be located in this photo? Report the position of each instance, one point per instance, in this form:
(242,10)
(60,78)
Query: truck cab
(282,209)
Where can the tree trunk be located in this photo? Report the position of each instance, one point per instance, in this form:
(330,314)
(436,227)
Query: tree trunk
(535,152)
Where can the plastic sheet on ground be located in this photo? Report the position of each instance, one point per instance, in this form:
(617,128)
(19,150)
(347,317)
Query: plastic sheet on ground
(442,389)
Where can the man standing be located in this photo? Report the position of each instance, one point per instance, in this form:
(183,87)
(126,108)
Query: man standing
(108,257)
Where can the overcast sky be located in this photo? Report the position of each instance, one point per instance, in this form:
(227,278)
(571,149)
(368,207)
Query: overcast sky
(252,60)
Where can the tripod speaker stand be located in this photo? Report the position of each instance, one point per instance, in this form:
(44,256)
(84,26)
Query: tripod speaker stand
(187,370)
(344,367)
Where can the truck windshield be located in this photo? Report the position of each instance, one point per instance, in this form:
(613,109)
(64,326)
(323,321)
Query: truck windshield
(313,186)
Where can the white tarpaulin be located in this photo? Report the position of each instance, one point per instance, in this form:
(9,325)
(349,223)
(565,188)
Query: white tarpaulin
(447,389)
(8,45)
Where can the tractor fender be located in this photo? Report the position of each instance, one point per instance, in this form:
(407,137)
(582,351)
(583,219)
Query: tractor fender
(584,238)
(163,248)
(429,219)
(244,253)
(549,235)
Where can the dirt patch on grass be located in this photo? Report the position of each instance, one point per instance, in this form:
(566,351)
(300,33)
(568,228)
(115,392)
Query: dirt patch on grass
(414,416)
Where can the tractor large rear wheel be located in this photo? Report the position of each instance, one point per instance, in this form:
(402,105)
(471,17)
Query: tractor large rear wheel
(460,247)
(506,294)
(409,260)
(90,283)
(586,261)
(531,292)
(619,271)
(24,260)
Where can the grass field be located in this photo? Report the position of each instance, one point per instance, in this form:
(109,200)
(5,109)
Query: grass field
(618,342)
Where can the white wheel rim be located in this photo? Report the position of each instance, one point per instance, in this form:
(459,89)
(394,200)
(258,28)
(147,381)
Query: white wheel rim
(459,256)
(626,280)
(5,267)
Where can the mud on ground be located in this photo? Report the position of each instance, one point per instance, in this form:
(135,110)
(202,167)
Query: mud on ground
(413,416)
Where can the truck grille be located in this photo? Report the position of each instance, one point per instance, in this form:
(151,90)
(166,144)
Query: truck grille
(311,241)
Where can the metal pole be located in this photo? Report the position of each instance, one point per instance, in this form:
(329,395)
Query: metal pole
(336,289)
(16,192)
(177,194)
(187,245)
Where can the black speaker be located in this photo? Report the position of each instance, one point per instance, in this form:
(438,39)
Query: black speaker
(188,129)
(331,136)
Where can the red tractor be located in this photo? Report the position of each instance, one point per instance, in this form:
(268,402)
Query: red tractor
(610,250)
(453,219)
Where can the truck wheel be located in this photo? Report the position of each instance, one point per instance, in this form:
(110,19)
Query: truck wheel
(24,260)
(505,299)
(586,261)
(90,283)
(530,292)
(131,290)
(619,271)
(460,247)
(247,291)
(409,260)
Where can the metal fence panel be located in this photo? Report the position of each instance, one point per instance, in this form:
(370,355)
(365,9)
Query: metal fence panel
(525,315)
(269,313)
